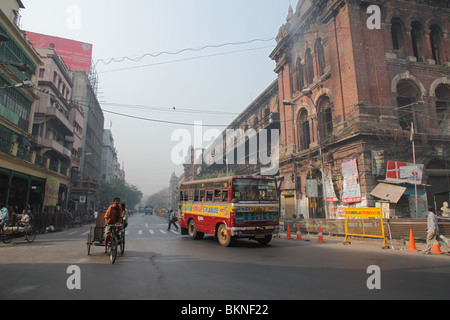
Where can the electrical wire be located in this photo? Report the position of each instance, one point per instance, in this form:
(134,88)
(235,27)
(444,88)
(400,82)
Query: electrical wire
(175,52)
(185,59)
(162,121)
(127,115)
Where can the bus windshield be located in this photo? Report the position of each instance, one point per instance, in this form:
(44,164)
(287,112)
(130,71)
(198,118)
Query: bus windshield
(254,190)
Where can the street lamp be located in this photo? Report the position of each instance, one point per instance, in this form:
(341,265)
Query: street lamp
(308,92)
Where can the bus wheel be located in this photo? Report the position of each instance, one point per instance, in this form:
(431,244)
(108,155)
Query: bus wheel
(192,230)
(223,236)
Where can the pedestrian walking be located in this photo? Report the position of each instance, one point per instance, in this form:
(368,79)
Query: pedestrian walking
(172,220)
(433,232)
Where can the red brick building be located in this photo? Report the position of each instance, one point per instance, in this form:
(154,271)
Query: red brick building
(369,83)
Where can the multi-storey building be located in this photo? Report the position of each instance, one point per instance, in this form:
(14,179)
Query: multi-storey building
(237,149)
(111,168)
(24,171)
(355,79)
(86,185)
(53,128)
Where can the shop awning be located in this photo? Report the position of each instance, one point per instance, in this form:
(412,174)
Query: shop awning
(388,192)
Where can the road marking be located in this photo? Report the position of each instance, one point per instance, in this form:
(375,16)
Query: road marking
(176,232)
(83,234)
(151,231)
(140,232)
(162,231)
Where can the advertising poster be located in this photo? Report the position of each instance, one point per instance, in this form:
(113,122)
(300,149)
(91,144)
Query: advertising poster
(404,172)
(76,55)
(331,195)
(51,192)
(351,192)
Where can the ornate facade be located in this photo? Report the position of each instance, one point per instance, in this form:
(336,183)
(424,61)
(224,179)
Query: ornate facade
(350,90)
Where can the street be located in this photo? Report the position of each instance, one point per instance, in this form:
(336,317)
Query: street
(163,265)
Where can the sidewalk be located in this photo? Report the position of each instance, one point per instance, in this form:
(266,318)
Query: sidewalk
(395,244)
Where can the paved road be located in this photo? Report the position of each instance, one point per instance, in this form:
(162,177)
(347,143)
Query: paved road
(160,264)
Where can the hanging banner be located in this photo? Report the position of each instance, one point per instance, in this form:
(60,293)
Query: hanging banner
(331,195)
(351,192)
(378,163)
(51,192)
(312,189)
(403,172)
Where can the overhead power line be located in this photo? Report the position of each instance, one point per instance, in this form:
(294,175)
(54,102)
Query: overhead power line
(175,52)
(185,59)
(163,121)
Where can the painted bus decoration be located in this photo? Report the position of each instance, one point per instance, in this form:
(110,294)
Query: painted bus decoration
(230,208)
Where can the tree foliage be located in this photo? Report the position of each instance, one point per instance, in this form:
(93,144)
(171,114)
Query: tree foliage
(159,200)
(129,194)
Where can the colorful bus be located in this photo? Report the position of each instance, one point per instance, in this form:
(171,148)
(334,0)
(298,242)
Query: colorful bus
(229,208)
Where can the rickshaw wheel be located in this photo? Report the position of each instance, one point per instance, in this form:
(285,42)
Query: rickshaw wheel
(30,234)
(113,254)
(7,237)
(122,243)
(88,244)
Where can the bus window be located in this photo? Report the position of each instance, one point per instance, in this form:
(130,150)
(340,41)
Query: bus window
(185,196)
(224,195)
(209,195)
(197,195)
(254,190)
(181,195)
(191,195)
(202,196)
(217,197)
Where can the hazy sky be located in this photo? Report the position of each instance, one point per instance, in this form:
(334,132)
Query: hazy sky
(211,85)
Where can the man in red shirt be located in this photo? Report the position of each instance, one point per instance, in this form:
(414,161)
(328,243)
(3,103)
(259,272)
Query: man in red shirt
(112,216)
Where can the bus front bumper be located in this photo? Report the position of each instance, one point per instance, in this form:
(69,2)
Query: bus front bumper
(252,231)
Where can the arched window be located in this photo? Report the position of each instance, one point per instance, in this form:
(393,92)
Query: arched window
(297,76)
(309,64)
(436,43)
(300,83)
(325,111)
(443,107)
(417,41)
(320,56)
(407,97)
(304,133)
(397,32)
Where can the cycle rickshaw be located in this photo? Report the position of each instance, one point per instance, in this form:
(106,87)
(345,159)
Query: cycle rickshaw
(96,237)
(11,232)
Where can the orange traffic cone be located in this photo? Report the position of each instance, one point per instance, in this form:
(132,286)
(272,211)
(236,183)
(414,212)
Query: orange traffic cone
(288,236)
(320,236)
(436,249)
(412,244)
(299,235)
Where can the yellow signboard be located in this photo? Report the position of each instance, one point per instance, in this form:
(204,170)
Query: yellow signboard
(364,222)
